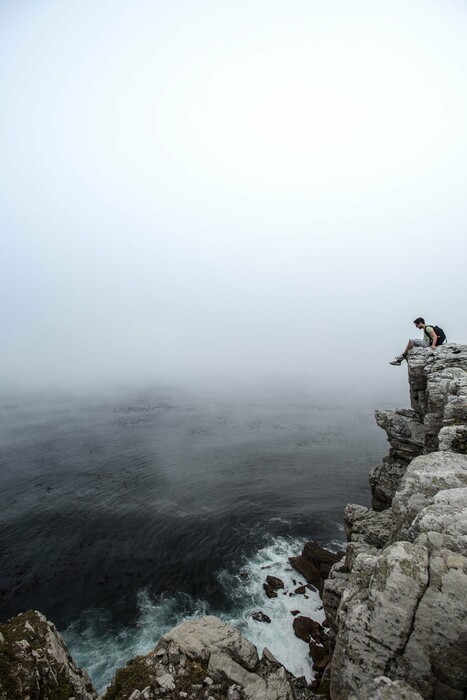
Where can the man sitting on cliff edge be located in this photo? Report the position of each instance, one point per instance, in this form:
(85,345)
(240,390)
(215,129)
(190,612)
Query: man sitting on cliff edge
(429,339)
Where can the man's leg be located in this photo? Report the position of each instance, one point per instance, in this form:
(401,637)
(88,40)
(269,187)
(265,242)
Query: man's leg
(410,345)
(400,358)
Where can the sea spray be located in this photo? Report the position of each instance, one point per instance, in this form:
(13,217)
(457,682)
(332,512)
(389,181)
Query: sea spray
(247,592)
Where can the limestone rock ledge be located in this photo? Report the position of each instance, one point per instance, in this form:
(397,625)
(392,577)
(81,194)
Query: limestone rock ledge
(397,603)
(206,659)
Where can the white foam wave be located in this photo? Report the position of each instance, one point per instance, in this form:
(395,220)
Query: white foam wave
(278,635)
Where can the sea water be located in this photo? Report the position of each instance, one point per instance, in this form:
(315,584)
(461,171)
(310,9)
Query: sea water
(127,514)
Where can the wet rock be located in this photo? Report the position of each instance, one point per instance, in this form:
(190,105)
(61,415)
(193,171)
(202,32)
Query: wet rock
(274,582)
(270,592)
(272,585)
(318,651)
(260,616)
(320,665)
(305,628)
(314,563)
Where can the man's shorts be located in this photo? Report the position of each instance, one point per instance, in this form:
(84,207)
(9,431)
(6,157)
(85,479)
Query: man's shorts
(420,343)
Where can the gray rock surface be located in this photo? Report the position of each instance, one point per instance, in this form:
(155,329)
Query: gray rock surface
(376,614)
(425,477)
(405,432)
(199,638)
(443,522)
(384,479)
(202,659)
(397,604)
(367,525)
(383,688)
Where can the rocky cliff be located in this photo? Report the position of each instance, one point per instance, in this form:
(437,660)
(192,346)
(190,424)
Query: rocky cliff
(397,602)
(35,663)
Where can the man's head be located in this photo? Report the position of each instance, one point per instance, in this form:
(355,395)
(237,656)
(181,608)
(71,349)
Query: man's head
(420,322)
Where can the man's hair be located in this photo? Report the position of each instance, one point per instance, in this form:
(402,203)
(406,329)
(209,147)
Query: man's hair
(419,320)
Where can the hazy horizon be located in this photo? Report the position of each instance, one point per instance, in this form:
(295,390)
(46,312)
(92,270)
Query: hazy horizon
(217,192)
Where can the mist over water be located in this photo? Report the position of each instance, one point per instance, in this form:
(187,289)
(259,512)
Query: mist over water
(124,515)
(228,191)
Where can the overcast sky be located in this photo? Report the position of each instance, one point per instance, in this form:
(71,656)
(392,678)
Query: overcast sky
(225,189)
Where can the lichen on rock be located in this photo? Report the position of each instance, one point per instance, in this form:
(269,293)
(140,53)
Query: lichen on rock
(35,662)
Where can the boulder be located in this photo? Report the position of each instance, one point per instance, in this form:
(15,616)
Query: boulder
(306,629)
(272,585)
(314,563)
(222,665)
(318,652)
(200,638)
(384,688)
(274,582)
(259,616)
(270,592)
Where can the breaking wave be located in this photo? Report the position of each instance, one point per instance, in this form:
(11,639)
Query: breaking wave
(101,650)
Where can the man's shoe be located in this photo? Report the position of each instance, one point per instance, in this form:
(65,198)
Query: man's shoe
(396,361)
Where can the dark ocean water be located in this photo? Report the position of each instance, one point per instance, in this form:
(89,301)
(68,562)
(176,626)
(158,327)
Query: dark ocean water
(123,515)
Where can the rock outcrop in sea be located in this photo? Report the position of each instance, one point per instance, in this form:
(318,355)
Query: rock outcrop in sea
(395,602)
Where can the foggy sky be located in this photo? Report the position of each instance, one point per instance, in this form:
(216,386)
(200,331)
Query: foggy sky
(213,190)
